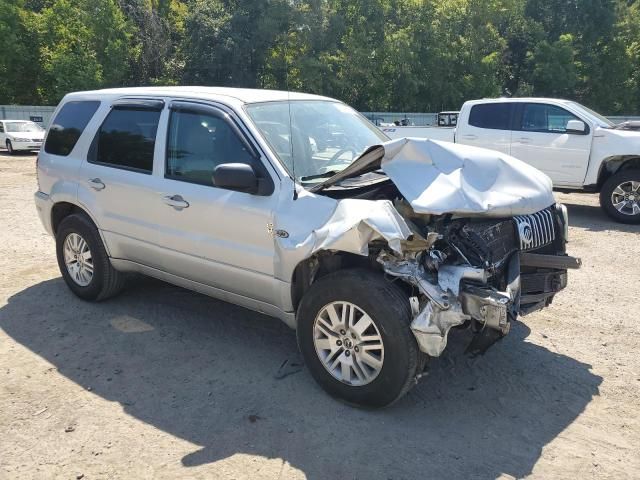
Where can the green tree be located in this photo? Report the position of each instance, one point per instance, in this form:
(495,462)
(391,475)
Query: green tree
(19,60)
(554,68)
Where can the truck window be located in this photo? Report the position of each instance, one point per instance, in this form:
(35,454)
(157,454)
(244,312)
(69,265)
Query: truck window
(197,143)
(540,117)
(127,139)
(495,116)
(68,125)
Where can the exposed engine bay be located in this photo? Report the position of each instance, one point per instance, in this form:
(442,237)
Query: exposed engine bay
(496,255)
(476,272)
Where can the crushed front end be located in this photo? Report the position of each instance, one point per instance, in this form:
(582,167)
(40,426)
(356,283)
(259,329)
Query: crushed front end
(479,273)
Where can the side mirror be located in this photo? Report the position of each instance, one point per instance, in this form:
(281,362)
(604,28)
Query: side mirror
(576,126)
(236,176)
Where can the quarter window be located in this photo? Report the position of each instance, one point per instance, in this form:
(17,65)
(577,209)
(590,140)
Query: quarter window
(495,116)
(68,125)
(1,127)
(198,142)
(539,117)
(127,139)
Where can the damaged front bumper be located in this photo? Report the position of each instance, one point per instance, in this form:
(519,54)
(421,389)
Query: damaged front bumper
(459,294)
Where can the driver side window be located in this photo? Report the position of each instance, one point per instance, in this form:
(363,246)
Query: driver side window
(539,117)
(197,143)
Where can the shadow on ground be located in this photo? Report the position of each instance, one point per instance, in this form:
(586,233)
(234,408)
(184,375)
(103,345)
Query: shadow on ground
(593,218)
(204,371)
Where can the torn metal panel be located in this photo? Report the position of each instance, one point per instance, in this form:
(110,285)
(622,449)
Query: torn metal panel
(448,305)
(315,223)
(356,223)
(431,327)
(441,312)
(449,276)
(487,306)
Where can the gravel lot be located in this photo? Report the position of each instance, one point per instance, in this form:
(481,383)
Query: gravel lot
(164,383)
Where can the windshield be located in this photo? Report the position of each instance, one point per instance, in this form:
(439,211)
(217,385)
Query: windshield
(595,117)
(22,127)
(315,138)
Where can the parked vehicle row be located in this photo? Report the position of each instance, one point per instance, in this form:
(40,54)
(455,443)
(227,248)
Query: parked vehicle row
(296,206)
(579,149)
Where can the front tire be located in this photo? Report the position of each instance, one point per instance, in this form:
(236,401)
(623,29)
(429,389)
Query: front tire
(620,196)
(10,149)
(353,332)
(83,260)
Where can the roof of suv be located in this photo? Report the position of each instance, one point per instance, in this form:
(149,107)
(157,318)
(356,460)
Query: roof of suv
(518,100)
(243,95)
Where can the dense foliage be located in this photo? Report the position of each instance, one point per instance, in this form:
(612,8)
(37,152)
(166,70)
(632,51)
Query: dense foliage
(407,55)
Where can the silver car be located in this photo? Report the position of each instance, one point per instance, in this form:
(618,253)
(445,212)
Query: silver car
(296,206)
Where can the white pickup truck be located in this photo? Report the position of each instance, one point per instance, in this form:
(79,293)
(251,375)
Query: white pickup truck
(579,149)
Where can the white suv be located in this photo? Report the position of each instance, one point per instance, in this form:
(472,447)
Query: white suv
(296,206)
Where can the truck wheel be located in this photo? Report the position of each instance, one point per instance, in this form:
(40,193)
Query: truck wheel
(83,261)
(353,332)
(620,196)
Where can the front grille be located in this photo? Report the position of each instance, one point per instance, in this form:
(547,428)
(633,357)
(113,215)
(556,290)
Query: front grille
(39,140)
(536,230)
(485,241)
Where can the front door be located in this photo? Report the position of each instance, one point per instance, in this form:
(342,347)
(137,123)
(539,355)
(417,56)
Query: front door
(542,141)
(212,235)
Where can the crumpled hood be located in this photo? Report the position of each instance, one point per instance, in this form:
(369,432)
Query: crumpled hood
(440,177)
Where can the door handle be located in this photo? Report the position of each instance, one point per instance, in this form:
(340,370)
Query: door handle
(175,201)
(470,137)
(524,140)
(96,184)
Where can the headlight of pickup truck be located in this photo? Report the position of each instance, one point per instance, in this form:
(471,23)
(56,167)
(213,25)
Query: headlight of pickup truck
(565,220)
(14,139)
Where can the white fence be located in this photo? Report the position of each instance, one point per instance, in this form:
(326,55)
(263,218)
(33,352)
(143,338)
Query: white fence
(39,114)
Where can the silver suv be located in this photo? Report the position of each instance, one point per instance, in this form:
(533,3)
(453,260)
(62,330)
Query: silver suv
(296,206)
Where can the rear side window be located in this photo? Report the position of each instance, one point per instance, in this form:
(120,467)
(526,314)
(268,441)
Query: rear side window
(127,139)
(68,125)
(1,127)
(495,116)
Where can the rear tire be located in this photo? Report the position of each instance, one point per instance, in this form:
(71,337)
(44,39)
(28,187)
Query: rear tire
(620,196)
(83,260)
(324,342)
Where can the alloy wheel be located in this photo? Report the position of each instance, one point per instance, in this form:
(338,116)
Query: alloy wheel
(78,260)
(348,343)
(625,198)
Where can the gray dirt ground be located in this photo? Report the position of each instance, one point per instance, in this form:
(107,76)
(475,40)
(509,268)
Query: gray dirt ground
(164,383)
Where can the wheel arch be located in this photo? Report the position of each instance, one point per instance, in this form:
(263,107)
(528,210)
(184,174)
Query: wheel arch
(614,164)
(63,208)
(322,263)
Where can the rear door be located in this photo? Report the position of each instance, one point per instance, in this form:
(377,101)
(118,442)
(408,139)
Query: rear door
(118,183)
(488,126)
(541,139)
